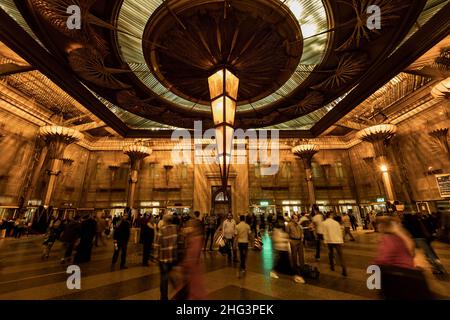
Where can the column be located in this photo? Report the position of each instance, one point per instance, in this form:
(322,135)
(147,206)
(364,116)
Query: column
(137,153)
(57,139)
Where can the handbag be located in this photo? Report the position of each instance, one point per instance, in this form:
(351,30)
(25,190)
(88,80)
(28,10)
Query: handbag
(220,242)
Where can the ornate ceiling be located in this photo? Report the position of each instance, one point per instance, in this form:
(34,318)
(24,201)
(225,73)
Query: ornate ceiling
(302,64)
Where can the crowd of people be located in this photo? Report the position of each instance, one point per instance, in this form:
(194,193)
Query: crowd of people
(13,227)
(175,243)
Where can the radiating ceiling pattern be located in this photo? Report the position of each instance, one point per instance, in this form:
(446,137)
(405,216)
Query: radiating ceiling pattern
(143,78)
(134,15)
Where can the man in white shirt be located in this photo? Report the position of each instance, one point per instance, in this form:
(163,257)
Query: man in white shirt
(347,226)
(332,234)
(242,232)
(317,221)
(228,233)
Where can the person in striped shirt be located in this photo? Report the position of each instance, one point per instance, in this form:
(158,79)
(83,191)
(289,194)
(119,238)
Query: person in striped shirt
(166,246)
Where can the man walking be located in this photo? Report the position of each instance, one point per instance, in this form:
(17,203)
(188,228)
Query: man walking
(347,226)
(71,234)
(166,246)
(295,232)
(242,232)
(121,237)
(228,233)
(317,221)
(333,238)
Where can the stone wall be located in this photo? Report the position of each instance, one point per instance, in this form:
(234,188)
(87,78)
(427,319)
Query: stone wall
(99,179)
(17,140)
(414,159)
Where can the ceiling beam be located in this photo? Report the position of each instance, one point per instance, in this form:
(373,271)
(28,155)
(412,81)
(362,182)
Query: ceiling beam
(8,69)
(89,126)
(75,119)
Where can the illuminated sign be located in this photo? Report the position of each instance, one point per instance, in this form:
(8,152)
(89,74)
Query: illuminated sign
(443,181)
(264,203)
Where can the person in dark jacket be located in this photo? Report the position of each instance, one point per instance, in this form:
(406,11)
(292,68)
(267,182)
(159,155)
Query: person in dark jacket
(88,231)
(121,237)
(353,221)
(70,235)
(147,237)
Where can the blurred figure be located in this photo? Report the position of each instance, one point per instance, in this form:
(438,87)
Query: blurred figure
(210,225)
(347,226)
(101,227)
(353,221)
(395,257)
(332,234)
(242,234)
(317,221)
(87,235)
(295,233)
(147,237)
(371,217)
(281,245)
(166,245)
(121,237)
(70,235)
(422,239)
(54,232)
(228,234)
(304,220)
(192,285)
(115,220)
(270,221)
(136,225)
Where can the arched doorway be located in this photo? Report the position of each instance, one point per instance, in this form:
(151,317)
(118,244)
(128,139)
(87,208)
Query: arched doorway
(221,203)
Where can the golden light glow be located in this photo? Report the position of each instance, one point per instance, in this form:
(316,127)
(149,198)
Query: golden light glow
(384,168)
(216,84)
(224,133)
(223,89)
(217,108)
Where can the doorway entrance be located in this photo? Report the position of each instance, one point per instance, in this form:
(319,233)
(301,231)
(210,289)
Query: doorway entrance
(221,203)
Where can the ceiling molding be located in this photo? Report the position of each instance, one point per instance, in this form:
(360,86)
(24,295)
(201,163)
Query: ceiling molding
(429,35)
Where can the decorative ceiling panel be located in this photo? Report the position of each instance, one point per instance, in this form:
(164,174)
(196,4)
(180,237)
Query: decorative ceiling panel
(152,79)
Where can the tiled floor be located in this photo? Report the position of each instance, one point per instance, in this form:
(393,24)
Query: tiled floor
(24,276)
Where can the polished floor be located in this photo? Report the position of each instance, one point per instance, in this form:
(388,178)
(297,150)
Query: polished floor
(24,276)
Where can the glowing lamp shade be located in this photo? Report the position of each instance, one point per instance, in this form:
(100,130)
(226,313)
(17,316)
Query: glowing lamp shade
(223,110)
(223,83)
(223,89)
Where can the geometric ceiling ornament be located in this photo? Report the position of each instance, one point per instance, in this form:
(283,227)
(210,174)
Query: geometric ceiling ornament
(390,10)
(261,41)
(151,59)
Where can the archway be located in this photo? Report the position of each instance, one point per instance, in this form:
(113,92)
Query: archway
(221,203)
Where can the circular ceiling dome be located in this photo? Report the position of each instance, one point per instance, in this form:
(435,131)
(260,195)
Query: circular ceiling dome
(262,46)
(174,46)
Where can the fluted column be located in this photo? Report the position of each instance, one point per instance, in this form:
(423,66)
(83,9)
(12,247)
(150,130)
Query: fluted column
(441,135)
(57,139)
(378,135)
(306,153)
(136,153)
